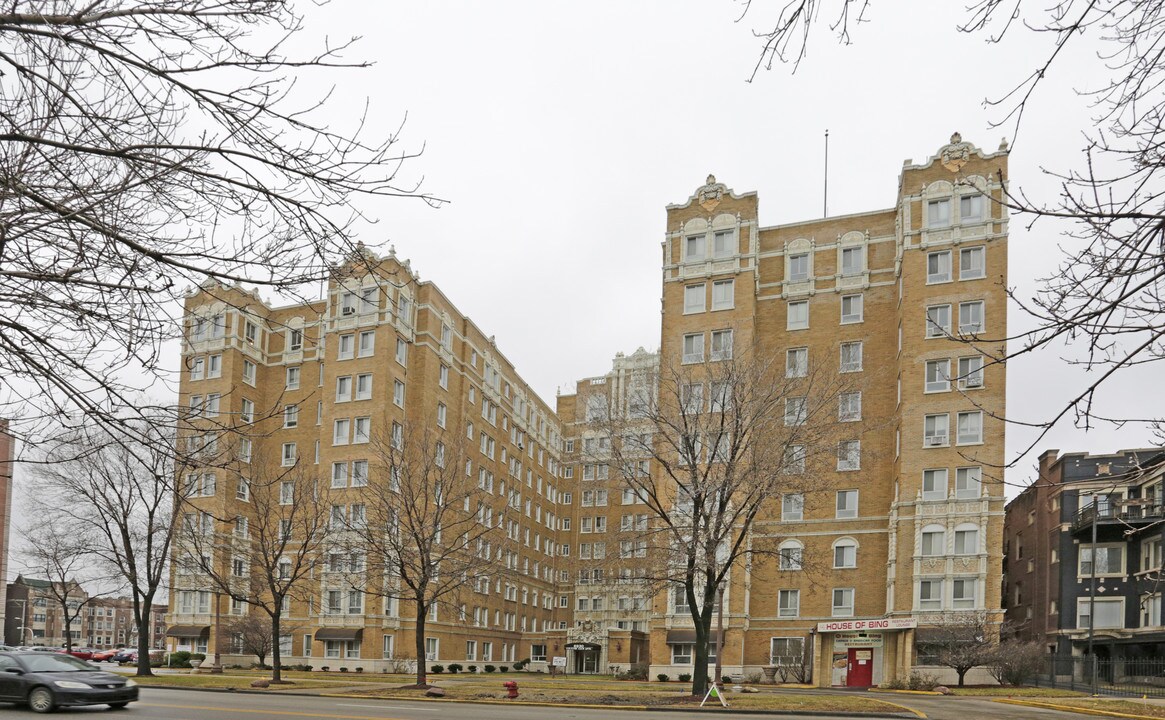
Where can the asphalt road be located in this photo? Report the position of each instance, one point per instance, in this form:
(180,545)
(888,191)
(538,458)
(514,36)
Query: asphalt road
(158,704)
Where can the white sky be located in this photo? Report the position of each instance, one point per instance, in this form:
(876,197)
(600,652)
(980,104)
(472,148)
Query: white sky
(559,133)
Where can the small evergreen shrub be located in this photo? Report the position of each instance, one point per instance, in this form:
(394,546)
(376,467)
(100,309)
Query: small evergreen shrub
(472,668)
(455,668)
(685,677)
(489,668)
(662,677)
(437,669)
(504,668)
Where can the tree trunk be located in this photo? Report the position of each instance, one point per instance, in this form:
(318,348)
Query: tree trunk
(422,665)
(142,620)
(703,622)
(962,673)
(68,632)
(275,670)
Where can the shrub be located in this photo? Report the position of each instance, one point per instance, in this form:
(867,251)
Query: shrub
(921,681)
(895,684)
(504,668)
(343,669)
(180,659)
(662,677)
(489,668)
(753,678)
(635,672)
(197,656)
(521,664)
(472,668)
(437,669)
(1016,662)
(325,668)
(726,679)
(685,677)
(360,669)
(455,668)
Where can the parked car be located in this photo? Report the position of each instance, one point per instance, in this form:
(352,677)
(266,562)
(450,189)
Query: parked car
(42,648)
(103,655)
(82,653)
(125,656)
(46,681)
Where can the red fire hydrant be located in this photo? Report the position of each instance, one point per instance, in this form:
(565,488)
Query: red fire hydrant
(511,688)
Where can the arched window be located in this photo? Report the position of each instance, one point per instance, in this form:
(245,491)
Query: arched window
(967,539)
(791,553)
(845,553)
(933,541)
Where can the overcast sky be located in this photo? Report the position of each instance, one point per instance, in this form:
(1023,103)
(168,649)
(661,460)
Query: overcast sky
(558,132)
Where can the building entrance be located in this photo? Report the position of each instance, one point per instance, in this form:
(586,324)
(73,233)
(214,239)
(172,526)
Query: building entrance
(860,667)
(586,657)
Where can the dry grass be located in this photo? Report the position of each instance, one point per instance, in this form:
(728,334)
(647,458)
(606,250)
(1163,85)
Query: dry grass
(232,681)
(1017,692)
(1126,707)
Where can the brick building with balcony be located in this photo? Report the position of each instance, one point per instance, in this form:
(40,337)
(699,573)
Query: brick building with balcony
(1082,554)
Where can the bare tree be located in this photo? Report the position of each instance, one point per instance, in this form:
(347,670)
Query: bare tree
(62,559)
(1104,305)
(252,635)
(961,642)
(429,537)
(269,557)
(117,492)
(709,448)
(147,146)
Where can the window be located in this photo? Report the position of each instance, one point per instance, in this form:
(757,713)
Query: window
(367,343)
(849,407)
(938,375)
(402,352)
(970,426)
(794,459)
(852,260)
(791,553)
(963,597)
(245,450)
(346,349)
(343,388)
(938,213)
(286,492)
(851,309)
(341,431)
(796,411)
(847,504)
(431,647)
(799,267)
(933,541)
(197,368)
(362,430)
(787,651)
(694,348)
(290,416)
(843,602)
(934,484)
(398,393)
(694,248)
(966,540)
(722,244)
(971,317)
(972,263)
(442,412)
(851,357)
(1110,560)
(721,344)
(681,654)
(792,507)
(938,267)
(796,362)
(971,209)
(292,378)
(967,481)
(248,371)
(849,455)
(288,454)
(443,377)
(246,410)
(970,372)
(798,315)
(723,294)
(1109,613)
(930,595)
(364,386)
(938,320)
(295,340)
(694,298)
(845,553)
(446,337)
(250,333)
(339,474)
(788,603)
(934,432)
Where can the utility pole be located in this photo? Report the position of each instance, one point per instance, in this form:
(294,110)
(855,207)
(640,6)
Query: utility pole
(217,666)
(825,192)
(719,634)
(1092,591)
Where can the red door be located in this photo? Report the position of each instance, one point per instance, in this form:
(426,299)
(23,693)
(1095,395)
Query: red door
(860,668)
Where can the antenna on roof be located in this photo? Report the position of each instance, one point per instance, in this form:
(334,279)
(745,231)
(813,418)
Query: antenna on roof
(825,192)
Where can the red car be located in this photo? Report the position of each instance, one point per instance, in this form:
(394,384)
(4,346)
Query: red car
(103,655)
(81,653)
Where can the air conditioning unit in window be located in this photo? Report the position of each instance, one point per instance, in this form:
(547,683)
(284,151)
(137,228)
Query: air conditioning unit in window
(971,382)
(348,311)
(936,441)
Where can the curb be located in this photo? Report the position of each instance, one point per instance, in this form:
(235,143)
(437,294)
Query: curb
(1072,708)
(905,692)
(581,706)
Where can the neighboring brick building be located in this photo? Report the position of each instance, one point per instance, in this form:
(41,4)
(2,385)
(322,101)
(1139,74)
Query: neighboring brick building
(109,623)
(1048,565)
(36,616)
(908,300)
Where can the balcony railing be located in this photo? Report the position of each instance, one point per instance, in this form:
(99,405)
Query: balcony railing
(1128,513)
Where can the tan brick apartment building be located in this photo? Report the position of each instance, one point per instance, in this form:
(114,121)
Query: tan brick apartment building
(910,516)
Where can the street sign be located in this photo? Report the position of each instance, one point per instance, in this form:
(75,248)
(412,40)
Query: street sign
(559,661)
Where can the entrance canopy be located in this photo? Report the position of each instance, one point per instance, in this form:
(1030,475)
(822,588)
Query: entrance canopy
(187,630)
(339,633)
(687,637)
(584,646)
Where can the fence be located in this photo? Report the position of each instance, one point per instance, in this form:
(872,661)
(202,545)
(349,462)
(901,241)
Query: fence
(1111,676)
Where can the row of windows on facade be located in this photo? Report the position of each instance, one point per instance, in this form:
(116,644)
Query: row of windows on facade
(931,596)
(938,321)
(932,540)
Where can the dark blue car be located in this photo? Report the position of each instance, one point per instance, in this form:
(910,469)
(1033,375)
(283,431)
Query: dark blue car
(46,681)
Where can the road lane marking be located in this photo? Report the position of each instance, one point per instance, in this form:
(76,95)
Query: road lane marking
(290,713)
(389,707)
